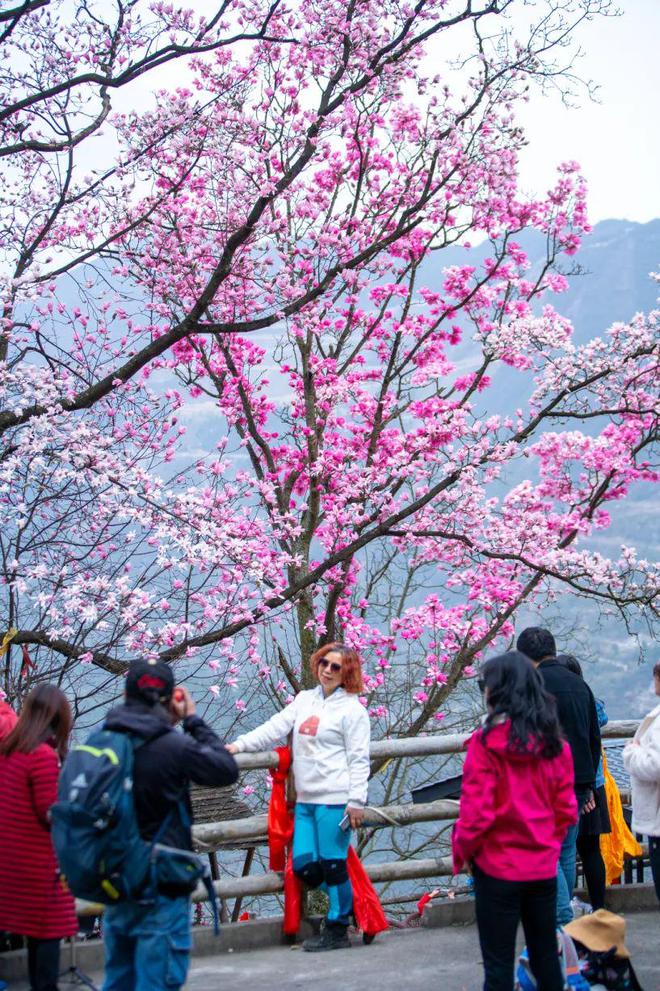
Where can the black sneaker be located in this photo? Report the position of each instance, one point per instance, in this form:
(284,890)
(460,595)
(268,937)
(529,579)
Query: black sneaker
(332,938)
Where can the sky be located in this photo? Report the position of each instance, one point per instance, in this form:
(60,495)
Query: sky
(616,141)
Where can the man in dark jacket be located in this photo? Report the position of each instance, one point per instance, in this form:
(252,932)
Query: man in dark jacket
(578,717)
(148,947)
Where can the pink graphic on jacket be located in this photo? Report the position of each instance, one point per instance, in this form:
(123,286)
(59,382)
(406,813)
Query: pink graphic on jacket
(310,726)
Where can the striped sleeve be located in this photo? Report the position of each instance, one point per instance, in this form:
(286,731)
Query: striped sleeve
(43,782)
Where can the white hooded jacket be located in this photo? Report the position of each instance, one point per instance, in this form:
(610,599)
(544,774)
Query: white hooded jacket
(330,745)
(643,764)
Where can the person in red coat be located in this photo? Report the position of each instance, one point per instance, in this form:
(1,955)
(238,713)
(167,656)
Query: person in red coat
(517,800)
(33,899)
(8,719)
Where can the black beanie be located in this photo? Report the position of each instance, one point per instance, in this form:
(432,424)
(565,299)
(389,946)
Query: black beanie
(150,681)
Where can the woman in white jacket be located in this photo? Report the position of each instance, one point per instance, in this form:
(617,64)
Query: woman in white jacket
(331,734)
(642,760)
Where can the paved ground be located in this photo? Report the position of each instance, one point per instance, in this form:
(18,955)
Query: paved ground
(416,960)
(413,960)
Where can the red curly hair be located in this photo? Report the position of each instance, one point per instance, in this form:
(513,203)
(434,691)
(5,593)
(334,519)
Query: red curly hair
(351,666)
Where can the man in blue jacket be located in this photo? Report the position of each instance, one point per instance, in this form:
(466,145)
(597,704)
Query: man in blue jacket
(578,717)
(148,947)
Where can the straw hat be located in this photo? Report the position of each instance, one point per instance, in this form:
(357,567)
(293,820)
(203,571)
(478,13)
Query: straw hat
(600,931)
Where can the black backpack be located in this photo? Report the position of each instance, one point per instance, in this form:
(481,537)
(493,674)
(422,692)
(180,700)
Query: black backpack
(607,969)
(96,836)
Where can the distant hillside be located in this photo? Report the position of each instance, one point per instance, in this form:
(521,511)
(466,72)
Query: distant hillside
(617,259)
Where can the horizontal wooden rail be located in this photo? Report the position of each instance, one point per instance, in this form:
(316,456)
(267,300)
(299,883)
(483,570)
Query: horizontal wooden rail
(211,836)
(253,829)
(415,746)
(620,729)
(422,746)
(272,883)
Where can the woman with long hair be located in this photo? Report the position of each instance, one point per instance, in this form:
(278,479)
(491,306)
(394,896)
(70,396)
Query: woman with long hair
(331,733)
(595,821)
(517,800)
(34,901)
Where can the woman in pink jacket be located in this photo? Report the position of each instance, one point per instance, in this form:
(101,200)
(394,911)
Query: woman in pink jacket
(517,801)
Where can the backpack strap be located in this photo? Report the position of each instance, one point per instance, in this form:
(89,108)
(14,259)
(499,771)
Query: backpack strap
(635,985)
(207,880)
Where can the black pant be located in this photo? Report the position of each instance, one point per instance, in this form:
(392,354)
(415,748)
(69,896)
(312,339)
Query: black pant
(501,905)
(43,963)
(594,869)
(654,857)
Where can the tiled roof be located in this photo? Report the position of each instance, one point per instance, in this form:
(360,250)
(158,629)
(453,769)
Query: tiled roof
(614,754)
(217,804)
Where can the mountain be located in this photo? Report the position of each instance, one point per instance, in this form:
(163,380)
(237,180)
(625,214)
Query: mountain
(615,260)
(611,284)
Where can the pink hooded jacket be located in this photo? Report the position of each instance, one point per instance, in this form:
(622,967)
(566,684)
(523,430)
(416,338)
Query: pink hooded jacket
(515,809)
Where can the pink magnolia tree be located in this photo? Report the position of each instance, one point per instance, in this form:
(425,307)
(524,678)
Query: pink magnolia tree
(263,242)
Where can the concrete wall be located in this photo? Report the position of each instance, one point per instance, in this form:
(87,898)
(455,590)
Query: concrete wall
(620,898)
(242,936)
(236,937)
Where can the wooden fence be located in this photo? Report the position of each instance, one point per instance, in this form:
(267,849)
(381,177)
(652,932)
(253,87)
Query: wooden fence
(252,831)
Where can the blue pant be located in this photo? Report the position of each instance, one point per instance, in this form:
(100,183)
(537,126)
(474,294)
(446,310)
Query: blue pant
(319,855)
(566,876)
(147,948)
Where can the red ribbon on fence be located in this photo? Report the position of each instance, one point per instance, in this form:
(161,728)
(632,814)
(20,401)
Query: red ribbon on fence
(280,816)
(27,665)
(369,914)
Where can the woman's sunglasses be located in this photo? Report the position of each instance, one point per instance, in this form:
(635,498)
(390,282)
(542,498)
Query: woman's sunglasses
(332,665)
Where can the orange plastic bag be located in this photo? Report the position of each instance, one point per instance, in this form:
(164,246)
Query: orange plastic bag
(615,845)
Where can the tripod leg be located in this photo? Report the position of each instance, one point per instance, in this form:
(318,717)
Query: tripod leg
(73,974)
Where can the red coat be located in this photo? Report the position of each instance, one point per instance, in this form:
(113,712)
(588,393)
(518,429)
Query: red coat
(8,720)
(515,809)
(33,900)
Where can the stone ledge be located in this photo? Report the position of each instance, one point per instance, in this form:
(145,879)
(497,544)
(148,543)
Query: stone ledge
(449,912)
(259,933)
(234,938)
(620,898)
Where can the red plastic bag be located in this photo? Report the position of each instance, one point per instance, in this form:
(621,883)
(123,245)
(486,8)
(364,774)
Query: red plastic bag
(280,837)
(423,902)
(367,909)
(292,899)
